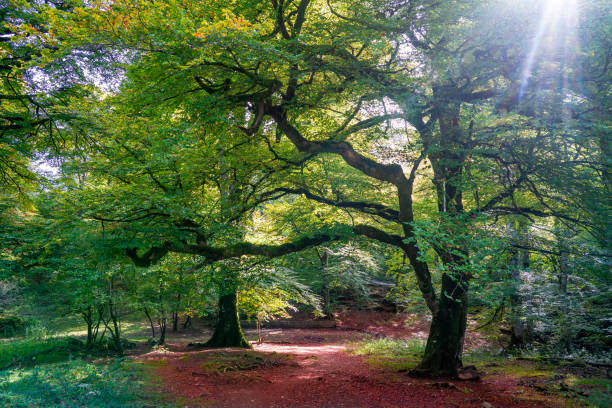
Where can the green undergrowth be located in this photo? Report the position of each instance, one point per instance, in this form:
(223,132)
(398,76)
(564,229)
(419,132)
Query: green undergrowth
(29,351)
(389,347)
(34,351)
(575,380)
(390,354)
(76,383)
(598,391)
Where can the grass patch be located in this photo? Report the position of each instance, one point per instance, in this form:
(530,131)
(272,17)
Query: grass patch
(389,347)
(597,391)
(32,351)
(76,383)
(390,354)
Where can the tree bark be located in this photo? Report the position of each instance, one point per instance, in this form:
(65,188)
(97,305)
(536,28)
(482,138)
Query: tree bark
(162,330)
(88,317)
(520,331)
(175,314)
(146,310)
(228,332)
(113,315)
(162,319)
(444,349)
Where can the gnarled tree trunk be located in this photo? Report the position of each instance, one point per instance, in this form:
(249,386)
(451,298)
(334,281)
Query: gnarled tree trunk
(228,332)
(446,335)
(444,349)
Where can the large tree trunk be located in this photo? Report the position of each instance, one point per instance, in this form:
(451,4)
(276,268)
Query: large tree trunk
(228,332)
(444,347)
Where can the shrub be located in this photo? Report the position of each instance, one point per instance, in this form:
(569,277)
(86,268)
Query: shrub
(11,325)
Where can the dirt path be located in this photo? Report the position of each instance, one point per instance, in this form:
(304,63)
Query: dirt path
(312,368)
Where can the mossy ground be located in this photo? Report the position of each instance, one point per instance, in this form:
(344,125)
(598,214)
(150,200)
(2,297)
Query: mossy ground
(576,384)
(223,362)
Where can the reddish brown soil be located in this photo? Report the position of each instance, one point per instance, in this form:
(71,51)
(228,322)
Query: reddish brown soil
(312,368)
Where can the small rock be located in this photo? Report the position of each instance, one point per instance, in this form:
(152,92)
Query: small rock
(485,404)
(468,373)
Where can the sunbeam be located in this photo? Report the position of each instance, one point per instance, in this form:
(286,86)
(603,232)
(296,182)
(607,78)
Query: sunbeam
(555,17)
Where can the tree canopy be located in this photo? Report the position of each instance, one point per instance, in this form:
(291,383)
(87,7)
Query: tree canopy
(220,136)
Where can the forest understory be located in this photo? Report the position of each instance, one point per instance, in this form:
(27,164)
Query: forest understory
(363,362)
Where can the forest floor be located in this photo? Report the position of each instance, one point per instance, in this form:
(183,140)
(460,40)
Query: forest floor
(355,365)
(363,362)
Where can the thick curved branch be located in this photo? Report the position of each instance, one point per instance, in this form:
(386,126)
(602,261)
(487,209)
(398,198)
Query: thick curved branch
(300,18)
(391,173)
(151,257)
(368,208)
(280,18)
(155,254)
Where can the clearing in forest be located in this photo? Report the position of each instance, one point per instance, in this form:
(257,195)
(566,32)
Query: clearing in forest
(330,368)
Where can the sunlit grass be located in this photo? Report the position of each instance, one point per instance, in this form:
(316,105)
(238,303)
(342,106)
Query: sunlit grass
(54,371)
(390,347)
(75,383)
(35,350)
(390,354)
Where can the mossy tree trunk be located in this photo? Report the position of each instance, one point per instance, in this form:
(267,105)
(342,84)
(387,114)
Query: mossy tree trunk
(228,332)
(444,349)
(446,335)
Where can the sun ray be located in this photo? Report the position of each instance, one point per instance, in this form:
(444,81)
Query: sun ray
(554,14)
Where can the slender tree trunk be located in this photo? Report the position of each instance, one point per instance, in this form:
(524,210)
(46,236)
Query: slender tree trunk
(162,319)
(88,317)
(146,310)
(187,322)
(518,337)
(175,313)
(563,262)
(324,259)
(162,330)
(96,329)
(115,332)
(228,332)
(519,327)
(563,265)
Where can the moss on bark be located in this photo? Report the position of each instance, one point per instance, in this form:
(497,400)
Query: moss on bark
(228,332)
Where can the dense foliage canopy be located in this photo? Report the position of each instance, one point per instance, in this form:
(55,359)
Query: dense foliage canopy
(264,154)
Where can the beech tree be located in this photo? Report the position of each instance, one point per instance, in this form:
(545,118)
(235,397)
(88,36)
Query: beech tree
(387,114)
